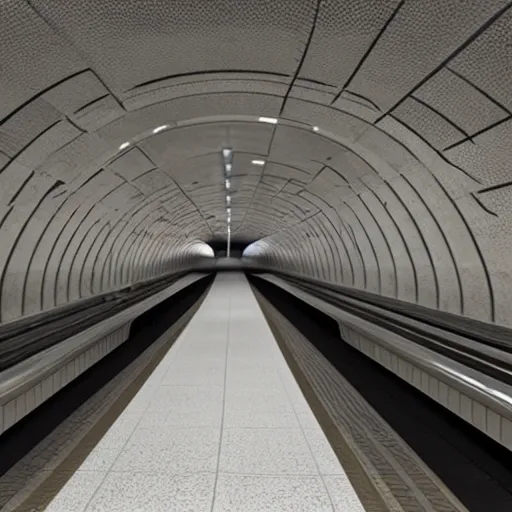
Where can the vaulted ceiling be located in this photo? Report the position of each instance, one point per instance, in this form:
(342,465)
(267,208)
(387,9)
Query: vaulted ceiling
(388,169)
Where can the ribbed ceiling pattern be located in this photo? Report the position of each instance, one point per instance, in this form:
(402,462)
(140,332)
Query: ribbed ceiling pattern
(404,190)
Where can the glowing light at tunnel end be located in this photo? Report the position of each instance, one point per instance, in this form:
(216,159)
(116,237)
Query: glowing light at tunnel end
(202,249)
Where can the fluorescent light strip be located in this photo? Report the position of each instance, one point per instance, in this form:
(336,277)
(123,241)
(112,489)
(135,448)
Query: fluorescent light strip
(271,120)
(124,145)
(161,128)
(315,128)
(227,154)
(258,162)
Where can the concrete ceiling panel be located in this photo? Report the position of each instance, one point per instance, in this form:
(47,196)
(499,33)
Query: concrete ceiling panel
(387,167)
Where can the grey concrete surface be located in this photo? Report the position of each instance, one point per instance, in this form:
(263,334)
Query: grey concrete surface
(389,168)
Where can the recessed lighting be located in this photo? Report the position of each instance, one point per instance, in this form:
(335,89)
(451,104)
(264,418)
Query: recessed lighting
(124,145)
(228,167)
(161,128)
(258,162)
(315,128)
(271,120)
(228,200)
(226,152)
(228,184)
(228,211)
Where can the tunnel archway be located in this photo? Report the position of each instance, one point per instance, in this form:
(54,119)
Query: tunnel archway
(385,161)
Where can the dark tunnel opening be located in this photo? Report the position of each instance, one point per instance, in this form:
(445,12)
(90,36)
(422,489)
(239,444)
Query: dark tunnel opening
(237,247)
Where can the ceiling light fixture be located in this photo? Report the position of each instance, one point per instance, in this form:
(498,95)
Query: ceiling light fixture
(227,155)
(258,162)
(315,128)
(271,120)
(124,145)
(161,128)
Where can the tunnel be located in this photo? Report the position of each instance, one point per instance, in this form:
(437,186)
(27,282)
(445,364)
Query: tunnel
(327,181)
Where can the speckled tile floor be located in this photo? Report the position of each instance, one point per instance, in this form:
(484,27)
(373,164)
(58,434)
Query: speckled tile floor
(221,425)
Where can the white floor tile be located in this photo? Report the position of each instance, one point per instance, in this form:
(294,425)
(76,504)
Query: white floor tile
(179,451)
(237,493)
(251,375)
(185,406)
(195,374)
(266,452)
(248,408)
(256,396)
(258,417)
(161,492)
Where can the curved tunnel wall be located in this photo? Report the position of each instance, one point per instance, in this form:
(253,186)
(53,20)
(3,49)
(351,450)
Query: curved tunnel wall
(402,190)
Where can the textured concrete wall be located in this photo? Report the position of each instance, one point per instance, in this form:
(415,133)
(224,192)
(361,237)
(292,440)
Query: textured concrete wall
(404,189)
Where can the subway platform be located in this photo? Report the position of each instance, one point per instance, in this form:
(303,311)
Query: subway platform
(220,425)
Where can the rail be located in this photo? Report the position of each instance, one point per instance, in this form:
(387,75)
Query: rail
(28,336)
(479,368)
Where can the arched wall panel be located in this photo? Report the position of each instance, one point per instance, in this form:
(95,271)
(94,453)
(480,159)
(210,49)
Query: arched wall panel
(388,169)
